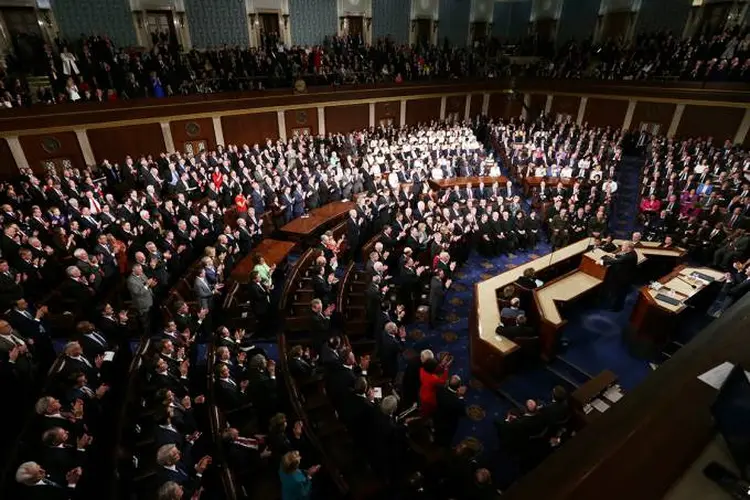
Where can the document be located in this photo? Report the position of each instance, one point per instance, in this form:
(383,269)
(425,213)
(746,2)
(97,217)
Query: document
(377,392)
(600,405)
(613,394)
(108,355)
(716,376)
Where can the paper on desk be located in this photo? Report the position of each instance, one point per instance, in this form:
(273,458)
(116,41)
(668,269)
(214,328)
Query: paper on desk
(716,376)
(613,394)
(600,405)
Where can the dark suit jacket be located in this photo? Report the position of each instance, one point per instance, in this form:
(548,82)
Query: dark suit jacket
(390,354)
(450,409)
(622,267)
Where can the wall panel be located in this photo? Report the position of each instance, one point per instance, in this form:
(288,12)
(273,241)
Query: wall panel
(390,18)
(565,104)
(388,110)
(422,110)
(703,121)
(312,20)
(96,17)
(501,106)
(57,146)
(344,119)
(250,129)
(455,104)
(605,112)
(218,22)
(653,112)
(201,129)
(537,105)
(475,108)
(8,167)
(298,119)
(454,21)
(114,144)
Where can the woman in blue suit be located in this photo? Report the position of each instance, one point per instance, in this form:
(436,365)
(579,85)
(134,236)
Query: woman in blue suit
(295,483)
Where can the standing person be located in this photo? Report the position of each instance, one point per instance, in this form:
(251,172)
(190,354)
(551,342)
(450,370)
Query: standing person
(295,483)
(450,409)
(438,286)
(142,295)
(432,375)
(622,268)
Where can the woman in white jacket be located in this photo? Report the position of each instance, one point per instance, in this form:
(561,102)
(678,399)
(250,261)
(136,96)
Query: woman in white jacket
(69,66)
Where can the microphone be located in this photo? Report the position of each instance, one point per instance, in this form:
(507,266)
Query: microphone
(694,286)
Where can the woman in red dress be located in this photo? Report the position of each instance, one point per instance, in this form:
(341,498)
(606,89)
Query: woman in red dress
(240,202)
(217,177)
(431,376)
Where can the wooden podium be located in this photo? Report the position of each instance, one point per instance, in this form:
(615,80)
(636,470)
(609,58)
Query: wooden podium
(654,319)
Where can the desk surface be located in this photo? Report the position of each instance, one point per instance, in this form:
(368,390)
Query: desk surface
(564,289)
(463,181)
(273,251)
(679,285)
(308,225)
(551,181)
(488,313)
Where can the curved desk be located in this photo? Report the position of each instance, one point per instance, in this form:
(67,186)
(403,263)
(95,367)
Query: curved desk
(318,220)
(570,272)
(461,182)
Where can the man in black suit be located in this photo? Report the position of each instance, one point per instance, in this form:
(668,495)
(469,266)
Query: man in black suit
(260,300)
(438,286)
(622,268)
(392,344)
(353,230)
(171,468)
(39,487)
(320,323)
(301,365)
(450,409)
(557,414)
(357,411)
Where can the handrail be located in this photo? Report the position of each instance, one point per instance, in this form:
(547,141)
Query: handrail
(293,277)
(292,391)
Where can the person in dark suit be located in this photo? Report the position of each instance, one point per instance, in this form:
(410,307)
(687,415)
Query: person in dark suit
(450,409)
(320,324)
(622,268)
(301,365)
(411,381)
(353,231)
(438,286)
(528,280)
(558,414)
(392,345)
(260,300)
(37,486)
(171,468)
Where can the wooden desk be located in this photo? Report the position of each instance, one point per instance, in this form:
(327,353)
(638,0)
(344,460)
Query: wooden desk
(592,389)
(653,320)
(273,251)
(534,182)
(317,221)
(488,351)
(566,288)
(463,181)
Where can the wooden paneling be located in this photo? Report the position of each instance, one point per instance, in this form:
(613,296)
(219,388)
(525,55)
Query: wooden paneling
(201,129)
(8,167)
(116,143)
(703,121)
(297,119)
(605,112)
(565,104)
(343,119)
(422,110)
(455,104)
(71,116)
(58,146)
(652,112)
(504,105)
(537,105)
(388,110)
(250,129)
(475,108)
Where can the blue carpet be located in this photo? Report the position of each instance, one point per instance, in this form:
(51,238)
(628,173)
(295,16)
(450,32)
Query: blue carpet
(595,344)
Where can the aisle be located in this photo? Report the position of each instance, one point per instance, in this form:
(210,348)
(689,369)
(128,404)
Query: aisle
(623,218)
